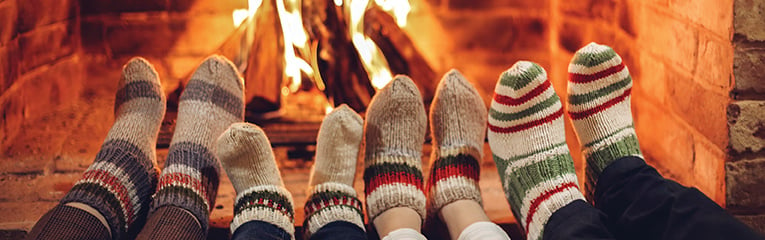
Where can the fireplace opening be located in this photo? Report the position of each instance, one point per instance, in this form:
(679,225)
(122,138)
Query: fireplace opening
(695,66)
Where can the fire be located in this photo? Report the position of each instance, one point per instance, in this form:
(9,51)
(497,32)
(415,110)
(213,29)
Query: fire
(371,56)
(398,8)
(240,15)
(294,37)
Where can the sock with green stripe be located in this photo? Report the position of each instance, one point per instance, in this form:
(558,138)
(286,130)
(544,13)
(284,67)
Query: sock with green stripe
(331,196)
(527,138)
(246,155)
(119,183)
(599,103)
(458,125)
(394,133)
(210,103)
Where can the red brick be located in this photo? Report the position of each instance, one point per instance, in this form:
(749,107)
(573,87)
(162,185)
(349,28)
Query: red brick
(715,66)
(502,33)
(9,67)
(629,13)
(150,35)
(93,7)
(709,170)
(57,85)
(748,60)
(745,184)
(599,9)
(748,17)
(666,142)
(37,13)
(8,21)
(46,44)
(674,40)
(33,188)
(715,15)
(700,107)
(493,5)
(652,82)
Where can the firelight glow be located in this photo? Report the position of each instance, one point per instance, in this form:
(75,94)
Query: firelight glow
(371,56)
(398,8)
(240,15)
(294,37)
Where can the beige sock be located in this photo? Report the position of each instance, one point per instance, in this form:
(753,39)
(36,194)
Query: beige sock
(458,125)
(395,132)
(245,153)
(331,194)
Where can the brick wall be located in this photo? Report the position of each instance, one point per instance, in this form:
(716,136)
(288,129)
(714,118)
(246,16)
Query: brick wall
(40,60)
(746,116)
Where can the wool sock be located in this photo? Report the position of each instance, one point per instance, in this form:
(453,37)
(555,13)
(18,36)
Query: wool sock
(123,176)
(246,155)
(527,138)
(458,125)
(331,196)
(394,133)
(599,103)
(212,100)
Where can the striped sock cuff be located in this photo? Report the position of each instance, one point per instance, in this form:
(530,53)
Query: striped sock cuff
(391,181)
(543,199)
(268,203)
(454,177)
(330,202)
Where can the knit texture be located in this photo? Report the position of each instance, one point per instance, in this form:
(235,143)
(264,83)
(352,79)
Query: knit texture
(599,104)
(394,133)
(331,196)
(123,176)
(212,100)
(458,125)
(65,222)
(170,222)
(246,155)
(527,139)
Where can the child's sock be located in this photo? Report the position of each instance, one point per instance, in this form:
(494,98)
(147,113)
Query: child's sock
(527,138)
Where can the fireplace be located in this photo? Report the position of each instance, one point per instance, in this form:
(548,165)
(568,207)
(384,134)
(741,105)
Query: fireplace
(698,97)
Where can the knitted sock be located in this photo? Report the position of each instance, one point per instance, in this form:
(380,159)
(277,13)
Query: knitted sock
(395,132)
(331,196)
(458,125)
(599,103)
(123,176)
(210,103)
(65,222)
(527,138)
(246,155)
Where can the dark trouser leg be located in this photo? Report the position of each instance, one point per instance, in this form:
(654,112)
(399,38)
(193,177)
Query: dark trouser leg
(577,220)
(64,222)
(641,204)
(340,230)
(171,222)
(260,230)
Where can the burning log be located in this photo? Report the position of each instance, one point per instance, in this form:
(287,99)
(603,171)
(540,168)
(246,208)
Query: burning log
(265,70)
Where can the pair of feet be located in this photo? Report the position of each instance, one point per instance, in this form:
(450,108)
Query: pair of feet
(394,131)
(527,137)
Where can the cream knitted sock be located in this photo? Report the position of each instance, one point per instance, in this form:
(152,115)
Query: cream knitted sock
(211,102)
(395,132)
(331,196)
(246,155)
(458,125)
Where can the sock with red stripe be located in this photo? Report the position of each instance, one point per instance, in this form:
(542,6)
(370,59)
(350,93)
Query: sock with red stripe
(331,196)
(246,155)
(210,103)
(528,141)
(119,183)
(458,125)
(395,132)
(599,103)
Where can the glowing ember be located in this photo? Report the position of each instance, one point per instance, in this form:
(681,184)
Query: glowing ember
(294,37)
(372,58)
(328,109)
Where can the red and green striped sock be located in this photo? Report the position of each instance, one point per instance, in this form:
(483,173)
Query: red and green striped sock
(599,104)
(528,141)
(458,125)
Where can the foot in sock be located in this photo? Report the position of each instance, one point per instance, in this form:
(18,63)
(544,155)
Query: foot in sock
(119,184)
(246,155)
(212,100)
(599,103)
(527,138)
(458,125)
(394,133)
(331,196)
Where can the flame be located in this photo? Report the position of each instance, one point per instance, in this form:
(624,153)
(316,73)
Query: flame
(398,8)
(240,15)
(294,37)
(371,56)
(328,109)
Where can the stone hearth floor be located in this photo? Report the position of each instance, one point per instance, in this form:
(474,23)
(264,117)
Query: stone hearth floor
(42,163)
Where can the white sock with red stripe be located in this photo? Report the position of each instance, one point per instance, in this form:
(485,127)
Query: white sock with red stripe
(599,103)
(528,141)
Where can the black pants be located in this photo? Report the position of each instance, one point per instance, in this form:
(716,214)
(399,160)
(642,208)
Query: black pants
(260,230)
(632,201)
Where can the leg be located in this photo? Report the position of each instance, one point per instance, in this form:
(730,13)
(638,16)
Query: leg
(113,196)
(639,203)
(458,125)
(527,138)
(395,132)
(262,202)
(332,210)
(212,100)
